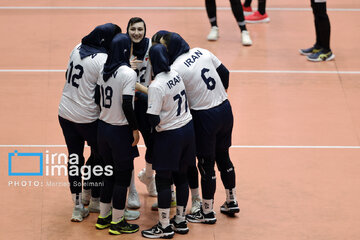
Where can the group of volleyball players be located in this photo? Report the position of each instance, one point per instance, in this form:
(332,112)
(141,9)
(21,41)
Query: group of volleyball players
(118,85)
(181,110)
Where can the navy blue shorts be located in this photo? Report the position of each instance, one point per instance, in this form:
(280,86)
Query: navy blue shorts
(79,132)
(213,129)
(174,150)
(114,143)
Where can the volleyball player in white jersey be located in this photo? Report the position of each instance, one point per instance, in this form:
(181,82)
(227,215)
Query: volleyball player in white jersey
(117,135)
(139,61)
(192,172)
(174,143)
(79,112)
(155,39)
(206,80)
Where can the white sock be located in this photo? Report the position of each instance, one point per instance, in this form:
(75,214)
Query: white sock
(149,172)
(164,217)
(195,193)
(117,215)
(105,209)
(207,206)
(173,194)
(180,214)
(76,197)
(230,195)
(86,193)
(95,199)
(132,183)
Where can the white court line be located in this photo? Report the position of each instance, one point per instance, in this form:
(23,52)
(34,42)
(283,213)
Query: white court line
(233,71)
(30,70)
(295,71)
(234,146)
(162,8)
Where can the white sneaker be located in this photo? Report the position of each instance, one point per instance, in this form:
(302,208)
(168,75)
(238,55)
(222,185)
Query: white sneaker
(131,215)
(79,213)
(94,205)
(195,205)
(245,37)
(133,200)
(149,182)
(85,196)
(213,34)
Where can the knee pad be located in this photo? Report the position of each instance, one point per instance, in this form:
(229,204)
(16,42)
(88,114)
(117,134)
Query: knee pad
(223,161)
(162,183)
(123,178)
(206,168)
(180,179)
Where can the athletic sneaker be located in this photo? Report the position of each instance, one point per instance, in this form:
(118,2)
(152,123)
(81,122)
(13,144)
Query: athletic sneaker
(155,206)
(122,227)
(158,232)
(230,208)
(256,17)
(131,215)
(180,228)
(213,34)
(309,51)
(245,37)
(94,206)
(201,217)
(133,200)
(103,222)
(149,182)
(79,213)
(195,205)
(321,56)
(247,10)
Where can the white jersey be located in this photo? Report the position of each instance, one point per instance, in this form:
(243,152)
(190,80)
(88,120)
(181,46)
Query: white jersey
(167,98)
(77,103)
(202,82)
(122,82)
(143,69)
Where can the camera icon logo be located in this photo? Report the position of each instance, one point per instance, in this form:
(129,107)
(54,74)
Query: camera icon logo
(25,164)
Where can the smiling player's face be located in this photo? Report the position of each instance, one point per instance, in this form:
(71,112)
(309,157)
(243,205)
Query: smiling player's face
(136,32)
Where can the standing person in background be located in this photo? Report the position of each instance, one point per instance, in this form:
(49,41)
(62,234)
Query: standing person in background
(259,16)
(238,14)
(321,50)
(139,61)
(79,111)
(206,80)
(118,135)
(174,143)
